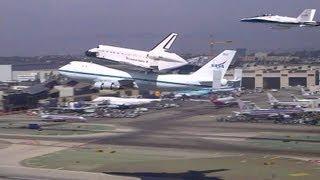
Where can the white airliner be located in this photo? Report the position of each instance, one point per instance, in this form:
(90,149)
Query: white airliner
(109,78)
(53,117)
(118,101)
(158,59)
(304,20)
(309,94)
(224,101)
(219,102)
(296,103)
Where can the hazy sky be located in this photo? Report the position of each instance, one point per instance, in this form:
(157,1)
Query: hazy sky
(40,27)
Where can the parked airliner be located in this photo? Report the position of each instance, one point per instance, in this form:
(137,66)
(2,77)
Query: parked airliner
(108,78)
(228,101)
(56,118)
(255,112)
(158,59)
(309,94)
(304,20)
(118,101)
(296,103)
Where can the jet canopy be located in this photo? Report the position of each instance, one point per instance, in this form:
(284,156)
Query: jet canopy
(263,15)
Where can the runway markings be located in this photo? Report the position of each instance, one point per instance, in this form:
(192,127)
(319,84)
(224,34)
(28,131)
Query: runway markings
(31,142)
(276,157)
(299,174)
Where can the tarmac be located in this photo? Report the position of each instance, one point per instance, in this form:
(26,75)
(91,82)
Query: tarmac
(11,157)
(190,129)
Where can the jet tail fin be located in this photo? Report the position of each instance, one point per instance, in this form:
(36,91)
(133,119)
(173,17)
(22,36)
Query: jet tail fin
(237,79)
(242,105)
(295,99)
(237,75)
(307,15)
(271,98)
(213,98)
(166,43)
(303,92)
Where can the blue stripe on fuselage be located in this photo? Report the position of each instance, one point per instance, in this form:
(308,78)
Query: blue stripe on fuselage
(134,79)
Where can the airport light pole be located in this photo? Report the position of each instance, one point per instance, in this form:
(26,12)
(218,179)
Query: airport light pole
(212,43)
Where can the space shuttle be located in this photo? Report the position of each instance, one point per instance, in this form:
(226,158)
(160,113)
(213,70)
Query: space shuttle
(305,19)
(158,59)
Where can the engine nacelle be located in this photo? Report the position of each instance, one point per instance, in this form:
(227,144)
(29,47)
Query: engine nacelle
(224,82)
(107,85)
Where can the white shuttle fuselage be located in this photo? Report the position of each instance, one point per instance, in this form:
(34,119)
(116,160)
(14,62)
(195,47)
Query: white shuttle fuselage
(158,59)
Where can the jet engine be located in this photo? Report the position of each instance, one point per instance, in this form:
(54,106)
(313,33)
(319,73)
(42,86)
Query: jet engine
(224,82)
(107,85)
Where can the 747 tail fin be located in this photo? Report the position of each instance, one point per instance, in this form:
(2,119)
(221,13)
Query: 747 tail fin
(219,63)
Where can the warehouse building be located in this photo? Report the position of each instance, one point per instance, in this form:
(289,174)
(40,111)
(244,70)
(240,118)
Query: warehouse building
(278,77)
(6,73)
(33,75)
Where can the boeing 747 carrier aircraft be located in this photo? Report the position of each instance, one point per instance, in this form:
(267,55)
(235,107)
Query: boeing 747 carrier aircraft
(304,20)
(158,59)
(109,78)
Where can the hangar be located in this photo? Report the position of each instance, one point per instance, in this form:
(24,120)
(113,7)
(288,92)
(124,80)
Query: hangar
(277,77)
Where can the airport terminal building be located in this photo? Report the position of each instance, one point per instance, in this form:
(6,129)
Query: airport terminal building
(278,77)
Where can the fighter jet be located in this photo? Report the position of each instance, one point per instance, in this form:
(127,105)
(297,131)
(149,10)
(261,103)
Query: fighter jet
(282,22)
(158,59)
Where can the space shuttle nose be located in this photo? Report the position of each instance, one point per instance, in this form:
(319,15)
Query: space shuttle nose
(91,54)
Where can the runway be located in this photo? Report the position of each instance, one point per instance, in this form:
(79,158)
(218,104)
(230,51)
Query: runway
(189,128)
(185,127)
(194,128)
